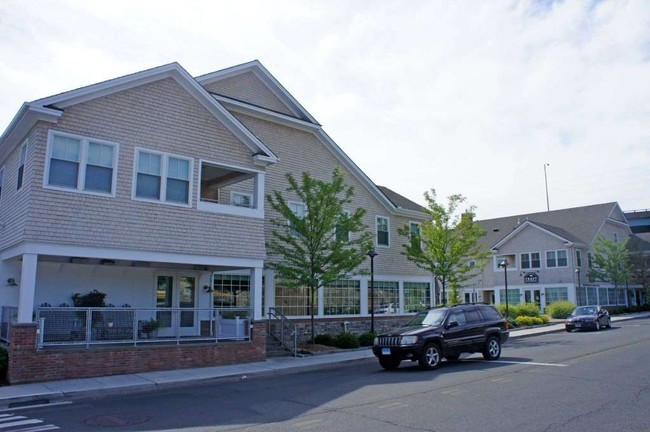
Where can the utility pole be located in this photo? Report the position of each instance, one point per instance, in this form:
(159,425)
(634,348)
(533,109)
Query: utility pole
(548,207)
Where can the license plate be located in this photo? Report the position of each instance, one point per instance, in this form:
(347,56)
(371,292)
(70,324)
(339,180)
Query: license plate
(578,325)
(385,351)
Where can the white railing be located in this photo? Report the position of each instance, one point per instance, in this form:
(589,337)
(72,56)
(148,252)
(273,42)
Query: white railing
(9,314)
(61,326)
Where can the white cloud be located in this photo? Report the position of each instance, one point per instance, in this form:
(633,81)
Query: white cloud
(468,98)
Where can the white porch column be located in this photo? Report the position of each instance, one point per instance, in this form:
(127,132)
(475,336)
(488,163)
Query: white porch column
(256,279)
(364,292)
(27,288)
(259,192)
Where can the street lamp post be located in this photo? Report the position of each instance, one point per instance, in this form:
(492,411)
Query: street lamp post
(372,254)
(504,264)
(579,289)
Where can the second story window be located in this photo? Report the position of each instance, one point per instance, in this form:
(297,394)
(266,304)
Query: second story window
(342,233)
(21,165)
(383,226)
(81,164)
(162,177)
(414,235)
(530,260)
(578,259)
(299,210)
(556,259)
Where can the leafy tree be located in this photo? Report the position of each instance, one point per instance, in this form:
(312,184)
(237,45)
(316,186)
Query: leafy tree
(447,244)
(639,253)
(323,245)
(611,262)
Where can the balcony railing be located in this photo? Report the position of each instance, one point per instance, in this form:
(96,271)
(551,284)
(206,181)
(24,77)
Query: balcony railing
(66,326)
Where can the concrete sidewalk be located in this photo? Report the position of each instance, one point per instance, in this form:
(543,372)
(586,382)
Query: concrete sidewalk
(49,392)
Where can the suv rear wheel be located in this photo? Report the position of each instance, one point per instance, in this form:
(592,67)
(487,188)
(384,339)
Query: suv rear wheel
(389,363)
(430,357)
(492,350)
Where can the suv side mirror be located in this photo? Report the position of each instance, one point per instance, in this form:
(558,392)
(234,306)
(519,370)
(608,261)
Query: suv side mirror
(452,324)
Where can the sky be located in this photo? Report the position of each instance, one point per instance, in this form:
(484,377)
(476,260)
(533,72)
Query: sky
(464,97)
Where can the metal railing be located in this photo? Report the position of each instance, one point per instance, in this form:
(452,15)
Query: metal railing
(284,330)
(65,326)
(9,314)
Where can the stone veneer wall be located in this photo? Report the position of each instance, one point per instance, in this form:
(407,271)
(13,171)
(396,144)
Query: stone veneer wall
(335,326)
(29,364)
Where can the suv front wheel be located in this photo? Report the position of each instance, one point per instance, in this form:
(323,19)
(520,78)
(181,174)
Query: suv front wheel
(492,350)
(430,357)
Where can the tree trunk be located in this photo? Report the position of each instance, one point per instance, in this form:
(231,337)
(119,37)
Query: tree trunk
(311,307)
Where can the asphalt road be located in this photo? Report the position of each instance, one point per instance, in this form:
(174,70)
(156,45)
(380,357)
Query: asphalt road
(596,381)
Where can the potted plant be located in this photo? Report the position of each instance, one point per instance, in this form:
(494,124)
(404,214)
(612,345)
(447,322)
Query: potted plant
(150,327)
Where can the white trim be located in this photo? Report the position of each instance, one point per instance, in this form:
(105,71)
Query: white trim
(519,254)
(377,231)
(520,228)
(127,255)
(83,162)
(557,266)
(230,210)
(22,122)
(164,162)
(265,114)
(263,75)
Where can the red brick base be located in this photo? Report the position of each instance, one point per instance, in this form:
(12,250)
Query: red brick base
(28,364)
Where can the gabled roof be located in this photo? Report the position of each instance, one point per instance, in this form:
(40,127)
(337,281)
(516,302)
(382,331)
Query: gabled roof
(556,232)
(400,201)
(269,80)
(303,121)
(50,108)
(576,225)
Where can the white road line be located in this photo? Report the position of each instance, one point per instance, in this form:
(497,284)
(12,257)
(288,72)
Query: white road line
(10,417)
(42,428)
(20,423)
(529,363)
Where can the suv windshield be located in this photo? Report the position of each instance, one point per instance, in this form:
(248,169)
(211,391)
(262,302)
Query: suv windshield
(428,318)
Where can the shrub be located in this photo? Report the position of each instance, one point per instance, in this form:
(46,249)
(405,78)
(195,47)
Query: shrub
(516,310)
(347,340)
(324,339)
(560,309)
(93,299)
(366,339)
(523,320)
(545,319)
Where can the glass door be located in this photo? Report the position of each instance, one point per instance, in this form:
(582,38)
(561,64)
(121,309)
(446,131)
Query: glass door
(176,291)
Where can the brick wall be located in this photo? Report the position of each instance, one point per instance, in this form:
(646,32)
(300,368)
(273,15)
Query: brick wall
(27,364)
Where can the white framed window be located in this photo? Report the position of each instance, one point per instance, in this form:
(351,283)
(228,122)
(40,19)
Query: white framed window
(556,258)
(510,261)
(415,234)
(2,174)
(240,199)
(382,225)
(162,177)
(530,260)
(341,232)
(300,210)
(21,165)
(80,164)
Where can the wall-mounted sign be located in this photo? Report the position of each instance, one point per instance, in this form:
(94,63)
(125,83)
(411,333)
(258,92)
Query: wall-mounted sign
(531,278)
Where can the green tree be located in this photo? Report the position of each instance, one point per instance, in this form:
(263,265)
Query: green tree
(611,263)
(325,244)
(447,245)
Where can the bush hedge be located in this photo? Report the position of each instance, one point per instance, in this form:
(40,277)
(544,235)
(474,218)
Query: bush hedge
(347,340)
(525,309)
(366,339)
(560,309)
(324,339)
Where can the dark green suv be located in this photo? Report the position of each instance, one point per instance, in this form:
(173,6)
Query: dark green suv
(444,332)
